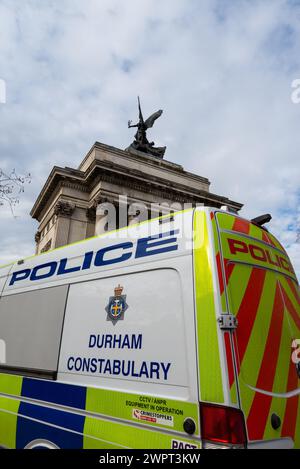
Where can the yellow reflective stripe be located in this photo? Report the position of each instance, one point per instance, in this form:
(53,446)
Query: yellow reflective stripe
(225,221)
(9,384)
(211,386)
(257,341)
(278,405)
(233,394)
(121,405)
(233,389)
(284,358)
(246,397)
(289,292)
(285,286)
(255,232)
(218,252)
(275,241)
(237,286)
(8,421)
(104,434)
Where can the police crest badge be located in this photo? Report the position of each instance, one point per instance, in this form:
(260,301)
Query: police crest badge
(116,306)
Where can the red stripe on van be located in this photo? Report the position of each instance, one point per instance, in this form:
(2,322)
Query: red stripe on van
(229,268)
(220,275)
(265,237)
(229,358)
(248,309)
(261,404)
(269,363)
(295,291)
(242,226)
(235,346)
(290,416)
(290,307)
(257,419)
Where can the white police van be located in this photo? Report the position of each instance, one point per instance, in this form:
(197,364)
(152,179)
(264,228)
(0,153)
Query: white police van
(137,339)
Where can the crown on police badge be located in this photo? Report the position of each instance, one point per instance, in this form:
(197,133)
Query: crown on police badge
(118,290)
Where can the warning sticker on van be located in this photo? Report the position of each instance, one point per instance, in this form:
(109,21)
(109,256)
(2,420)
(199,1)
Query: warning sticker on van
(153,417)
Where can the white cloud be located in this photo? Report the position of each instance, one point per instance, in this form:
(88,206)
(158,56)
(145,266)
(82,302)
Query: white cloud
(222,72)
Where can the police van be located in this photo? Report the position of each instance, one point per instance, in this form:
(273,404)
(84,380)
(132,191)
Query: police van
(179,332)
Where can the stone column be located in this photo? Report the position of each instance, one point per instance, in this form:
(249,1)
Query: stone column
(91,221)
(63,210)
(37,239)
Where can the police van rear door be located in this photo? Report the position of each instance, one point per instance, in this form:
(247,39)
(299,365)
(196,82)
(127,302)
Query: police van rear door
(262,292)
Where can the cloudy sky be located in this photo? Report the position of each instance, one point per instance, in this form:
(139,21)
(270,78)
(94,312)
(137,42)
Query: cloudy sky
(222,71)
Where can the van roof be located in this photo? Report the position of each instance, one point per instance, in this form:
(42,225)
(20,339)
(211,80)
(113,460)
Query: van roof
(104,235)
(113,232)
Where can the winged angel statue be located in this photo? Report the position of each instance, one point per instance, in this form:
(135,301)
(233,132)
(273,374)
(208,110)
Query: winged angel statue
(141,142)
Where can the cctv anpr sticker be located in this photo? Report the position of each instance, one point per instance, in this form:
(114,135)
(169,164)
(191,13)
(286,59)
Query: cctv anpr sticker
(117,306)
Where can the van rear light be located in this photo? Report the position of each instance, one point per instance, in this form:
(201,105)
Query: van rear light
(222,426)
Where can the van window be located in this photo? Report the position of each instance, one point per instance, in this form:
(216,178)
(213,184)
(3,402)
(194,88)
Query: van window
(30,331)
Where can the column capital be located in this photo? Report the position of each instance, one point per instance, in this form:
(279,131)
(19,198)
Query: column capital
(63,208)
(37,237)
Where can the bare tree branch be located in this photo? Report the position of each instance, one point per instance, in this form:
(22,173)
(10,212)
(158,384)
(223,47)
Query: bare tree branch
(11,186)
